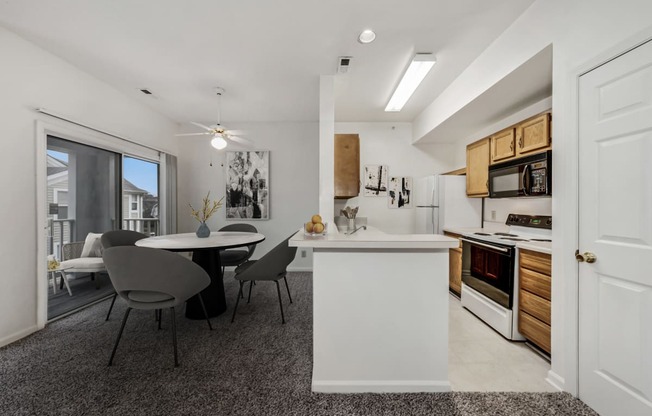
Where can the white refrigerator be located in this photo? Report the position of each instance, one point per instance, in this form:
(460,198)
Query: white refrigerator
(441,202)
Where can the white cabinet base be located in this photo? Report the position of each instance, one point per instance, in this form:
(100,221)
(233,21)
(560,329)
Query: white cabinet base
(380,320)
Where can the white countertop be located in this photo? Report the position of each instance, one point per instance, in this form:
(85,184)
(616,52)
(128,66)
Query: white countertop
(372,238)
(540,246)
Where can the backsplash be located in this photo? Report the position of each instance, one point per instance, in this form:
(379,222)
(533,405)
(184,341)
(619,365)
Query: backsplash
(497,210)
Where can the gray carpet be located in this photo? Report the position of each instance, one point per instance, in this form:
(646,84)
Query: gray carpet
(255,366)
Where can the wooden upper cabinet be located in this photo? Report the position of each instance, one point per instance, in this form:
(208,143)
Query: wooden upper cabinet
(527,137)
(502,145)
(534,135)
(477,168)
(347,165)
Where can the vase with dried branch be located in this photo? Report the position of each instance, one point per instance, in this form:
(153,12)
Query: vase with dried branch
(207,210)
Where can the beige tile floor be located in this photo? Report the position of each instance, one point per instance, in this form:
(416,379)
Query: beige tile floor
(480,359)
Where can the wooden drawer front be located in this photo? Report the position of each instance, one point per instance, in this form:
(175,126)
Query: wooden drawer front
(535,305)
(533,260)
(534,330)
(534,282)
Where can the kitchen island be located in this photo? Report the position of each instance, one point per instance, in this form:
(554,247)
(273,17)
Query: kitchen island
(380,311)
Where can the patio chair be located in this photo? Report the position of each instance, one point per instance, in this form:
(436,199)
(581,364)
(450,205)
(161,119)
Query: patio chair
(83,257)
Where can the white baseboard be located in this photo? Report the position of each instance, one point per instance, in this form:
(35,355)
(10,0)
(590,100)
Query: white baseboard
(380,386)
(300,269)
(555,380)
(18,335)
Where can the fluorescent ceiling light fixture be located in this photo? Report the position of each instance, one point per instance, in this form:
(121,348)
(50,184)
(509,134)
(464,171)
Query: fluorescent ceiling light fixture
(367,36)
(416,72)
(218,142)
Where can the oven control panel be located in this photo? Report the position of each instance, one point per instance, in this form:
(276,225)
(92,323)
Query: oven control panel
(532,221)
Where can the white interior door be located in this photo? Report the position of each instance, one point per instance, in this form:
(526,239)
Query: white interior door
(615,198)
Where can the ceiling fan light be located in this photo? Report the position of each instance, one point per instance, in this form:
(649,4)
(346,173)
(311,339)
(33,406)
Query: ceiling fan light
(218,142)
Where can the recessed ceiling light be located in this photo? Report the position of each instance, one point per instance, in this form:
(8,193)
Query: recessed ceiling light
(367,36)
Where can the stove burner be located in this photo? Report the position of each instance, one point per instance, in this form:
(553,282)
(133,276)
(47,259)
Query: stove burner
(506,234)
(541,239)
(513,239)
(481,234)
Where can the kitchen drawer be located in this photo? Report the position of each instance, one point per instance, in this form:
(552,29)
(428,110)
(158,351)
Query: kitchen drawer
(534,330)
(535,306)
(533,260)
(535,282)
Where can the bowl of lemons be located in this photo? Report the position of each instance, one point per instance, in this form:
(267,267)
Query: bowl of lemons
(315,226)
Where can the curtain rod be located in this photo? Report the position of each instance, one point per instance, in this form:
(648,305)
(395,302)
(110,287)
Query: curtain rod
(78,123)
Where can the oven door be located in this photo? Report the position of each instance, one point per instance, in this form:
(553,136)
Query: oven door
(489,269)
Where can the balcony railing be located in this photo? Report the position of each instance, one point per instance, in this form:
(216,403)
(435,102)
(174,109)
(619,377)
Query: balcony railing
(59,232)
(147,226)
(62,231)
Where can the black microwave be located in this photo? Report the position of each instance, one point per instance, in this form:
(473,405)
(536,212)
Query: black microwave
(528,176)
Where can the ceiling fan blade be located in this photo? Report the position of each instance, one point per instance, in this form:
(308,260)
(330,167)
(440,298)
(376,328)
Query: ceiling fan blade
(241,140)
(236,132)
(193,134)
(201,125)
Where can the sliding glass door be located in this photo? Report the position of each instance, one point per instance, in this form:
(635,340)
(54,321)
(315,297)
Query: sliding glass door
(83,189)
(89,191)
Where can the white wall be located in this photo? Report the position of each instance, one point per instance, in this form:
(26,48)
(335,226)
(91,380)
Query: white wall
(294,180)
(497,210)
(390,144)
(32,77)
(582,33)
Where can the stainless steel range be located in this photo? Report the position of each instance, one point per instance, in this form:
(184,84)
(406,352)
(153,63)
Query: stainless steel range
(490,270)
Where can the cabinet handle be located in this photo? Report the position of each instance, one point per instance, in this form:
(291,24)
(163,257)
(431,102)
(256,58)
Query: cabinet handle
(520,142)
(487,184)
(511,146)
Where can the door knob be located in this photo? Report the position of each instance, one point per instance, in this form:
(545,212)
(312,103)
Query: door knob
(587,257)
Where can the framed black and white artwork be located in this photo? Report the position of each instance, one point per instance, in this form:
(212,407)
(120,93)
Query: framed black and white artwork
(375,180)
(400,192)
(247,185)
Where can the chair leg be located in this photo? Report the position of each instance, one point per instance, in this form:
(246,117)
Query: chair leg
(287,287)
(251,283)
(117,341)
(65,280)
(203,308)
(111,307)
(280,302)
(237,301)
(174,337)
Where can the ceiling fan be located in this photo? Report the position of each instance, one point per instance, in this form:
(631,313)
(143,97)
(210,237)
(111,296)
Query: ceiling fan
(221,135)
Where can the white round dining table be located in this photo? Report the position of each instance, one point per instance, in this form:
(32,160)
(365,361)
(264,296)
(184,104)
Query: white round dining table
(206,253)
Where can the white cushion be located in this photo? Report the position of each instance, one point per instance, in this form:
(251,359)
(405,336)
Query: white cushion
(83,264)
(92,246)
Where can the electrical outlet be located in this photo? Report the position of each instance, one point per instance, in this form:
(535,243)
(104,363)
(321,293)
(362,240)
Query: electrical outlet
(303,253)
(493,215)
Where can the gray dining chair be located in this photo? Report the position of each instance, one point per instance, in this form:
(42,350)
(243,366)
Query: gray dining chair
(236,256)
(118,238)
(151,279)
(271,267)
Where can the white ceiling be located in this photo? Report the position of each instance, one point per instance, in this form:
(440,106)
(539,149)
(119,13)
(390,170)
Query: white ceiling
(267,55)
